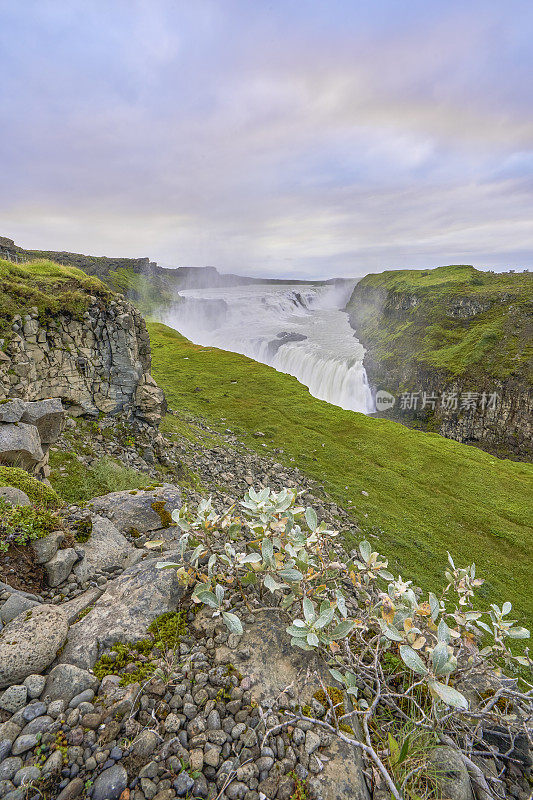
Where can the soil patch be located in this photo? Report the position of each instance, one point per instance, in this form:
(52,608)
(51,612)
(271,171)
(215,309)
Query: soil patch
(19,569)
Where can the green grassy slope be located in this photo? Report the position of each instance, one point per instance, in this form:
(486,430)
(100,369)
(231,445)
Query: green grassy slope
(426,494)
(52,288)
(410,318)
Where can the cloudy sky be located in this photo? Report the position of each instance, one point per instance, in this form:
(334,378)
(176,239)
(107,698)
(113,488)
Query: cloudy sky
(273,137)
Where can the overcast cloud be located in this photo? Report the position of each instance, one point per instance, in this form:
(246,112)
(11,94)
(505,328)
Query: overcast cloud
(290,138)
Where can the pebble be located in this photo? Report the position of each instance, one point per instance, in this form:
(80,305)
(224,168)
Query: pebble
(26,774)
(312,742)
(182,784)
(56,708)
(24,743)
(34,710)
(71,790)
(9,767)
(5,749)
(13,698)
(83,697)
(110,784)
(35,685)
(37,725)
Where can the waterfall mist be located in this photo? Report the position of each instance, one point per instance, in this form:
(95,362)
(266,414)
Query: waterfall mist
(297,329)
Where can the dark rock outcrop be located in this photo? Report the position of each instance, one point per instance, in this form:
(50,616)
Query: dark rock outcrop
(100,363)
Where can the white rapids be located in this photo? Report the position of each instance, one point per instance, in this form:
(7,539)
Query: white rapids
(299,330)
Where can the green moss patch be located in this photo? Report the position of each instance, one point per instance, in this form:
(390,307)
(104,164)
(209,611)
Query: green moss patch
(135,661)
(37,492)
(83,529)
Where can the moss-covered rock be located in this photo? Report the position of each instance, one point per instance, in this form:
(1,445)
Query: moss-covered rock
(38,492)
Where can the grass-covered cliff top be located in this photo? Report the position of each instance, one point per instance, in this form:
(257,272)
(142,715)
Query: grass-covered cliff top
(456,319)
(51,288)
(425,494)
(455,279)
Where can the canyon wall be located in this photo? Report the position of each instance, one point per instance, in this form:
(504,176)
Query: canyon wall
(97,364)
(456,359)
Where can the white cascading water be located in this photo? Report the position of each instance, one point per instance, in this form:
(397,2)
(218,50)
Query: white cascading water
(299,330)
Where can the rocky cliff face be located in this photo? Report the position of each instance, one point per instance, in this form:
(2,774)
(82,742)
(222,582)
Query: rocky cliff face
(455,360)
(99,363)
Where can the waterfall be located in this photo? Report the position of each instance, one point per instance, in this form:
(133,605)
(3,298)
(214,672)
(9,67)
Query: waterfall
(299,330)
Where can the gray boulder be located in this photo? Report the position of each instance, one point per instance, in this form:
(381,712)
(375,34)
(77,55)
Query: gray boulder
(13,496)
(134,511)
(48,417)
(123,613)
(65,681)
(20,444)
(14,606)
(454,782)
(107,547)
(30,643)
(150,400)
(59,567)
(45,549)
(12,410)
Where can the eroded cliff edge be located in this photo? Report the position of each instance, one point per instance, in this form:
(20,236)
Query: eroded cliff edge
(444,342)
(65,335)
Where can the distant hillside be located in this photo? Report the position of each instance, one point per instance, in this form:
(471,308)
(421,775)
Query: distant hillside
(139,279)
(455,330)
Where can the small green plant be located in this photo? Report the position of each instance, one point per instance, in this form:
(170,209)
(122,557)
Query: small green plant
(83,528)
(20,525)
(301,791)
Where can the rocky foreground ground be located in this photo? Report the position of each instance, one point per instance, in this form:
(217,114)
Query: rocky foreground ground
(115,687)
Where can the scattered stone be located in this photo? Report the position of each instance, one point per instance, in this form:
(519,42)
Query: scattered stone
(72,790)
(35,685)
(65,681)
(45,549)
(26,775)
(20,445)
(13,496)
(59,567)
(47,416)
(453,775)
(183,784)
(312,742)
(9,767)
(23,743)
(135,510)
